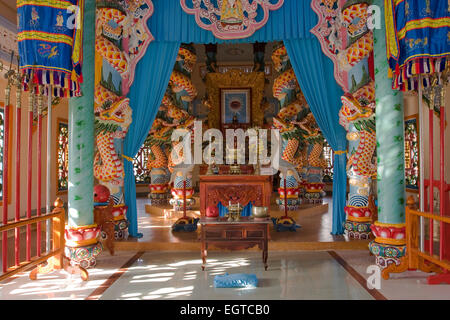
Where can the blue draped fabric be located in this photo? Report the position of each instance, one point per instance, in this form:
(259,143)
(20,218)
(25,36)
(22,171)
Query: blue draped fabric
(314,72)
(150,83)
(292,23)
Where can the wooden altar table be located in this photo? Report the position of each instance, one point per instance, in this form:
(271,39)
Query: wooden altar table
(234,235)
(235,188)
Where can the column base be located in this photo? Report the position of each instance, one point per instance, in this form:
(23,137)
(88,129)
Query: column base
(158,199)
(84,256)
(121,229)
(313,197)
(387,254)
(293,204)
(178,204)
(358,230)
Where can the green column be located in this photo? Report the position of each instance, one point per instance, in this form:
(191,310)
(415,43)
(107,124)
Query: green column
(81,132)
(390,135)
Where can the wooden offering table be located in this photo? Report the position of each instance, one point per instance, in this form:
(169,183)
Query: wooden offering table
(234,235)
(235,188)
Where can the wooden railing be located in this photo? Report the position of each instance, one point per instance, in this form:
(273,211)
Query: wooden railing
(55,257)
(415,258)
(58,218)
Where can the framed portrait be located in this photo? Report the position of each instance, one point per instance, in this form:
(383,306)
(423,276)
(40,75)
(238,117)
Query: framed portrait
(235,105)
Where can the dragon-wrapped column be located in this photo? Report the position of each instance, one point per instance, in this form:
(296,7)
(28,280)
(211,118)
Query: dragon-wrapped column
(389,244)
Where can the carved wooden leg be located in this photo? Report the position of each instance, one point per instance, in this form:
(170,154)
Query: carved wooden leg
(54,264)
(429,267)
(77,269)
(108,228)
(204,254)
(265,255)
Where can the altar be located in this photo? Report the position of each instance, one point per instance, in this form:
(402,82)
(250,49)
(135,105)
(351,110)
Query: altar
(242,189)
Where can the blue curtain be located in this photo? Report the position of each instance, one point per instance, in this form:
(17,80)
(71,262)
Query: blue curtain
(170,23)
(246,211)
(150,83)
(315,74)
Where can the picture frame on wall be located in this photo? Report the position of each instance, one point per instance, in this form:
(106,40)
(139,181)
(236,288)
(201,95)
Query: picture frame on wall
(235,105)
(412,156)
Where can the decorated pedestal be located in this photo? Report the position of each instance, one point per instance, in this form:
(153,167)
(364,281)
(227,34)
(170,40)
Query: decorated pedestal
(181,195)
(83,245)
(159,187)
(292,193)
(120,222)
(389,244)
(313,184)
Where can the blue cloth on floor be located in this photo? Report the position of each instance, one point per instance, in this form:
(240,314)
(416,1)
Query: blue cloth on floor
(237,280)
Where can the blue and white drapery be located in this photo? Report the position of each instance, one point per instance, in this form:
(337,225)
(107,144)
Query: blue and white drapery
(292,23)
(150,83)
(322,93)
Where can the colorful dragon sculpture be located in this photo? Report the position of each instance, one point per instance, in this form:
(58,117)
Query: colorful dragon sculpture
(359,121)
(298,128)
(166,154)
(121,40)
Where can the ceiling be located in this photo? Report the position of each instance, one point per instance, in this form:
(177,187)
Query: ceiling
(8,10)
(242,52)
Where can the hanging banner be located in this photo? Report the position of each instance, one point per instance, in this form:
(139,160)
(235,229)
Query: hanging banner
(418,40)
(50,44)
(231,19)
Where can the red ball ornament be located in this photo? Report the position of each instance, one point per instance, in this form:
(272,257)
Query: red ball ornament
(212,212)
(101,193)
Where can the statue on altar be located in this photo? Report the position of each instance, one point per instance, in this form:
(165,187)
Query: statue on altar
(231,12)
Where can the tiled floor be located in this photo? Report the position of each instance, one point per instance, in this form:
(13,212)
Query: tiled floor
(178,275)
(154,275)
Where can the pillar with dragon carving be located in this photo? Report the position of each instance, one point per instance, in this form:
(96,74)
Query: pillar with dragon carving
(389,230)
(359,122)
(121,39)
(287,90)
(358,118)
(315,162)
(181,93)
(158,141)
(82,234)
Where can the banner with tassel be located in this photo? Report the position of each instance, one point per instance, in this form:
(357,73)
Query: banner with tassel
(418,40)
(50,45)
